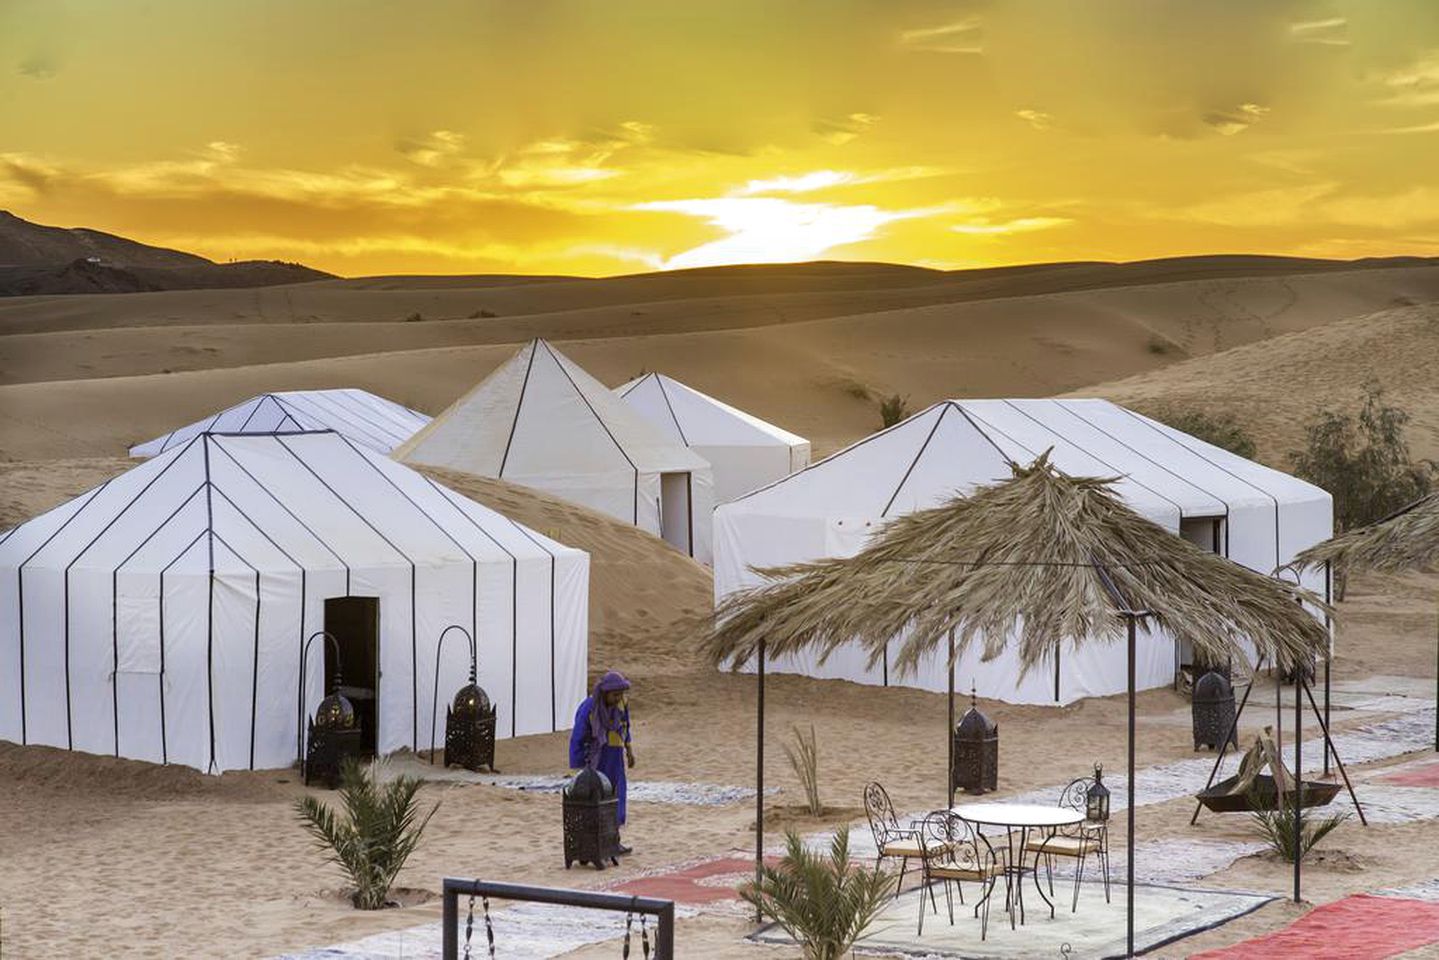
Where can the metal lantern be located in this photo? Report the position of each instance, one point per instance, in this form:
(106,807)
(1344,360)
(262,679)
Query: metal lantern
(332,736)
(1212,707)
(1096,798)
(591,820)
(470,728)
(976,751)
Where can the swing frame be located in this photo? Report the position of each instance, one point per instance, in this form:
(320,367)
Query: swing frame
(454,888)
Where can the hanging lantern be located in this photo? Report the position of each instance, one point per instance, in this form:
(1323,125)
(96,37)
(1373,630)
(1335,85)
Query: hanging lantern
(470,728)
(1096,798)
(332,735)
(976,751)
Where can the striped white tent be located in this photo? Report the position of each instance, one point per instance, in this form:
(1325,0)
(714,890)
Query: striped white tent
(542,421)
(166,614)
(362,416)
(744,451)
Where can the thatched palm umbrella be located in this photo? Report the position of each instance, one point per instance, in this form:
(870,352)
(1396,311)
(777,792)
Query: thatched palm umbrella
(1407,539)
(1039,560)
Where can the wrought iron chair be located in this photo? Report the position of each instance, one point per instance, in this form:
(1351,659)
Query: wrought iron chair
(1078,842)
(954,851)
(891,841)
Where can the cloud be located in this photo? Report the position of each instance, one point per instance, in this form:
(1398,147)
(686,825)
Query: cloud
(1416,85)
(38,67)
(1229,123)
(1037,119)
(983,227)
(773,230)
(844,130)
(824,179)
(961,37)
(1331,32)
(433,150)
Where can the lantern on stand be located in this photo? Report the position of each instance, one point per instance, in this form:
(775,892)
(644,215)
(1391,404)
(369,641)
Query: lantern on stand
(469,718)
(1096,799)
(976,751)
(332,735)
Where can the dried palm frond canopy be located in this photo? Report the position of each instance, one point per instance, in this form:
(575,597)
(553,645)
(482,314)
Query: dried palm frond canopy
(1405,540)
(1042,558)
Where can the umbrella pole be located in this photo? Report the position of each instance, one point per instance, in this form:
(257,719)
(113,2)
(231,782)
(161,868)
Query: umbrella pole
(1298,776)
(949,732)
(1129,811)
(1328,661)
(759,784)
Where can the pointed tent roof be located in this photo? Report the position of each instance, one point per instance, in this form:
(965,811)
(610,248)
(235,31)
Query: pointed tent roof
(367,419)
(541,414)
(692,418)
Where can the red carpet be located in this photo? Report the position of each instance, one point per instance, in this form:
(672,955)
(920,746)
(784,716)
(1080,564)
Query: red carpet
(1360,927)
(1423,775)
(708,882)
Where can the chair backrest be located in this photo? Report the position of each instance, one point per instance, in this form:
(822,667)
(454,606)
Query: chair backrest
(880,812)
(1076,795)
(963,845)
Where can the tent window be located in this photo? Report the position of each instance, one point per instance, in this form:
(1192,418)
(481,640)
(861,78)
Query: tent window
(676,523)
(355,623)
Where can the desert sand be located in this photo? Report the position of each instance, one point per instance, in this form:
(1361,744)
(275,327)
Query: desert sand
(130,860)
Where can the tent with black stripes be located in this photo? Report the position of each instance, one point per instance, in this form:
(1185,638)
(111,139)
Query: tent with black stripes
(169,614)
(743,451)
(362,416)
(1250,513)
(542,421)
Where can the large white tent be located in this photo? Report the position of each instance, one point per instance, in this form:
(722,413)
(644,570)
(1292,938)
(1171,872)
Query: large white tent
(744,451)
(542,421)
(163,615)
(362,416)
(1243,510)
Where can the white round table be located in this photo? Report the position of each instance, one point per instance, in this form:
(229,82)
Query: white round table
(1023,817)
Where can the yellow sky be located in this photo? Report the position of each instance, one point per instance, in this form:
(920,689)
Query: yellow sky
(608,136)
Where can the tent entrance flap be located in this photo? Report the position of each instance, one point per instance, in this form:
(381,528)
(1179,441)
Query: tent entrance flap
(355,624)
(676,511)
(1208,533)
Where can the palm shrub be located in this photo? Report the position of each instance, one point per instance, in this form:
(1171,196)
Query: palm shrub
(893,409)
(1276,828)
(378,830)
(824,901)
(1221,429)
(804,759)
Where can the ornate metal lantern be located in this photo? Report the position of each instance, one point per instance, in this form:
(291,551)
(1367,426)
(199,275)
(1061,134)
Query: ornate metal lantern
(332,735)
(470,728)
(976,751)
(1096,798)
(1212,707)
(591,820)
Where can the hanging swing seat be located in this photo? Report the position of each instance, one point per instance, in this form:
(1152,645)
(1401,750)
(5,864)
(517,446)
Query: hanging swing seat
(1250,790)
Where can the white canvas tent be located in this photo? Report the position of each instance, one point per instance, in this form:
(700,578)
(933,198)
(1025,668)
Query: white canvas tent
(362,416)
(542,421)
(743,451)
(1248,512)
(162,615)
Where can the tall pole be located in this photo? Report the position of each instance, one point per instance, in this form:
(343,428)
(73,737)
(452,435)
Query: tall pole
(1328,662)
(949,733)
(1129,812)
(759,783)
(1298,775)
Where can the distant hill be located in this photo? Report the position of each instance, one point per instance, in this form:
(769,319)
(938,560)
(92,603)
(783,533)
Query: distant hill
(36,259)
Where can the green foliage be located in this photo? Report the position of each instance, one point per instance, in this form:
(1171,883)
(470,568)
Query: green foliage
(1276,828)
(1221,429)
(483,315)
(855,389)
(893,409)
(379,829)
(823,901)
(1160,346)
(1363,461)
(804,759)
(415,317)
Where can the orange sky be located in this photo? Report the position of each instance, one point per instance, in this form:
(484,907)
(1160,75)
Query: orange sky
(589,137)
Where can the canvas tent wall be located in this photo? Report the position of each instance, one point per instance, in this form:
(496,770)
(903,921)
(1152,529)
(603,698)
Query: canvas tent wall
(1250,513)
(542,421)
(161,616)
(743,451)
(365,418)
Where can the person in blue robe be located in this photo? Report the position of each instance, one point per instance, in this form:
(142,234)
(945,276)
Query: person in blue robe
(601,736)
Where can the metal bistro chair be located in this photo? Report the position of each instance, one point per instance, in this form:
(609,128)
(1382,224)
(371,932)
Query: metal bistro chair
(891,841)
(1078,842)
(955,851)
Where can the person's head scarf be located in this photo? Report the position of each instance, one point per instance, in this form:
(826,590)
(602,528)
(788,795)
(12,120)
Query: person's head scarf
(603,717)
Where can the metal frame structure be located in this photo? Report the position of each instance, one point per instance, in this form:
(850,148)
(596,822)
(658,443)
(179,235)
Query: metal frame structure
(454,888)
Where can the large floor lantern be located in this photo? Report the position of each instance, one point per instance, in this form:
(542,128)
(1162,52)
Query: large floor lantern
(591,820)
(976,751)
(1212,711)
(333,734)
(470,717)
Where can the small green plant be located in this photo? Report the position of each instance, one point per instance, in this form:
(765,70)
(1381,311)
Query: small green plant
(823,901)
(1276,828)
(803,757)
(483,314)
(1160,346)
(1221,429)
(1363,460)
(855,389)
(379,829)
(893,409)
(415,317)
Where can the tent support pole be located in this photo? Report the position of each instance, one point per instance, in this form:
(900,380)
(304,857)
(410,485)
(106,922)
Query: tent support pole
(1436,694)
(1324,727)
(1129,810)
(949,732)
(1224,746)
(1329,660)
(1298,777)
(759,783)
